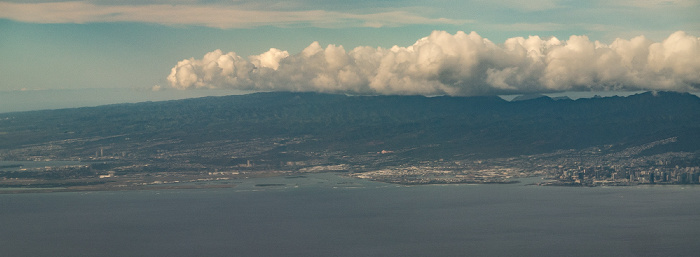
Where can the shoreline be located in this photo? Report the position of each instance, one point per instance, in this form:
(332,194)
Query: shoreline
(141,182)
(26,190)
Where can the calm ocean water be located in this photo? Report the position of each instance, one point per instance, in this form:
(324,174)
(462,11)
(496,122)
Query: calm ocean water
(327,215)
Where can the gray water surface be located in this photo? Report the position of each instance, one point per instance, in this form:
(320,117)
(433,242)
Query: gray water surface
(328,215)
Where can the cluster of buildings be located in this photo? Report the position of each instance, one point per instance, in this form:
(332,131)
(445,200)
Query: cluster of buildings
(629,176)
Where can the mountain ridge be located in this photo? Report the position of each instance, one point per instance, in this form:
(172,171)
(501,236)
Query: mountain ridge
(422,127)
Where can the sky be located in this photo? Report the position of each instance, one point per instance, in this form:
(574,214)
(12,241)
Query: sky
(437,47)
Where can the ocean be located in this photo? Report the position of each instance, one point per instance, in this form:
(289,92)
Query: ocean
(329,215)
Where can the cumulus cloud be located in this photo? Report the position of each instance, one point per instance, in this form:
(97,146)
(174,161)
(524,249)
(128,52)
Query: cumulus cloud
(457,64)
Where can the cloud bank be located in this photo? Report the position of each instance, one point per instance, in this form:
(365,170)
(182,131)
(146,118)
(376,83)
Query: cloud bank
(461,64)
(217,16)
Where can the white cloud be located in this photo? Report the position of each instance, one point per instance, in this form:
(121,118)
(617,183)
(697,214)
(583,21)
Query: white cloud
(459,64)
(547,26)
(529,6)
(656,3)
(219,16)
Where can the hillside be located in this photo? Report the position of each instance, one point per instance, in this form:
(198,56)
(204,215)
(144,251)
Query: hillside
(301,130)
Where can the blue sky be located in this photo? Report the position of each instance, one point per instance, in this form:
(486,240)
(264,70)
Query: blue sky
(49,45)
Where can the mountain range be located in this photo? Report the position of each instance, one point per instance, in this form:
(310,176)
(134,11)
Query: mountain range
(313,128)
